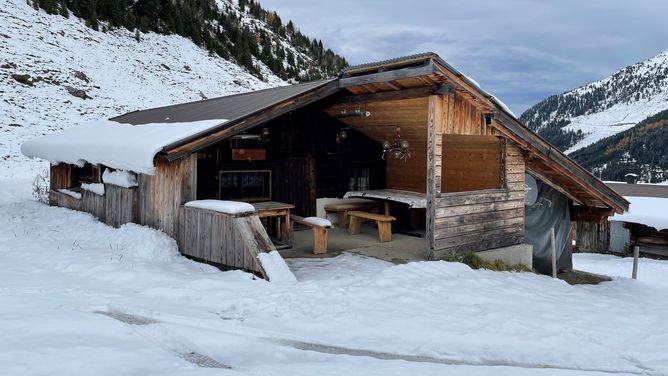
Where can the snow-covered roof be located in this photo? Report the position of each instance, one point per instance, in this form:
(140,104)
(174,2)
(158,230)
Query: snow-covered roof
(120,146)
(648,211)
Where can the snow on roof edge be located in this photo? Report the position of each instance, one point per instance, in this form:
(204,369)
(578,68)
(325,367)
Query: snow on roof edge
(648,211)
(120,146)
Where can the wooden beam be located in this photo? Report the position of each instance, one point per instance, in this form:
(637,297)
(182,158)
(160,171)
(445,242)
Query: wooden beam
(445,89)
(590,214)
(552,184)
(233,127)
(433,171)
(387,76)
(387,95)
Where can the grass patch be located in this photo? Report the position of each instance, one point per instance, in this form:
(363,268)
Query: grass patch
(577,277)
(476,262)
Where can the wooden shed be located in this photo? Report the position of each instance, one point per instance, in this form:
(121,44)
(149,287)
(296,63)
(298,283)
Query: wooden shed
(412,132)
(636,228)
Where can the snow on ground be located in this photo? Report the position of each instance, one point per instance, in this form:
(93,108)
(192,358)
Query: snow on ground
(650,272)
(119,73)
(79,295)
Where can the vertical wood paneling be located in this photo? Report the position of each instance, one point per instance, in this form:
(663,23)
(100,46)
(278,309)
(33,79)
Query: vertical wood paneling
(161,195)
(592,236)
(461,117)
(94,204)
(120,205)
(60,176)
(223,239)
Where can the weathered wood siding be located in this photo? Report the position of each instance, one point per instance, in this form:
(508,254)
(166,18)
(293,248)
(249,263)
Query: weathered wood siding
(116,207)
(461,117)
(93,203)
(592,236)
(223,239)
(120,205)
(478,219)
(64,201)
(161,195)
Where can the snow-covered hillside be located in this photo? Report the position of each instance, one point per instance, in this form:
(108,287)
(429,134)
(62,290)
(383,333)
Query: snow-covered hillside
(116,72)
(605,107)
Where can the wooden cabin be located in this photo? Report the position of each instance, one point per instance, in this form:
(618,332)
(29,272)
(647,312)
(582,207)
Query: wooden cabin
(414,133)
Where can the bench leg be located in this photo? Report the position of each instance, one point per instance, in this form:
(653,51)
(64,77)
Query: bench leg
(343,219)
(319,240)
(385,231)
(354,225)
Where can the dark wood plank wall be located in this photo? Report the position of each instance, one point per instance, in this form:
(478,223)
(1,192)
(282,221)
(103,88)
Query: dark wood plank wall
(223,239)
(60,176)
(161,195)
(474,220)
(591,236)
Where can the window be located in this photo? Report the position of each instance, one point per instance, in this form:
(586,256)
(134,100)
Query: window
(88,173)
(471,163)
(245,185)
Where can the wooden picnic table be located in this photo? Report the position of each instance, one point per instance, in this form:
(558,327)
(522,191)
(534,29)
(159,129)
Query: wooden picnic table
(279,212)
(414,200)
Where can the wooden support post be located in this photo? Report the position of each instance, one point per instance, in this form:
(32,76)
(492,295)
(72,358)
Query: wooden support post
(554,253)
(319,240)
(387,208)
(354,224)
(636,254)
(343,219)
(385,231)
(434,150)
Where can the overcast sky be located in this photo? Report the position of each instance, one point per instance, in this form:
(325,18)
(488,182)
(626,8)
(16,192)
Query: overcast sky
(520,50)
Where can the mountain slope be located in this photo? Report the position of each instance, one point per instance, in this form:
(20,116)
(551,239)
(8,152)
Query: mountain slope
(642,150)
(56,72)
(241,30)
(587,114)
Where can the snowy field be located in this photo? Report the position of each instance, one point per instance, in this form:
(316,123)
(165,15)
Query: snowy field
(79,297)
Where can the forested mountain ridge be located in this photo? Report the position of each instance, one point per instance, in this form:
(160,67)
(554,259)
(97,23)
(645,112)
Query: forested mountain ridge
(582,116)
(642,150)
(241,31)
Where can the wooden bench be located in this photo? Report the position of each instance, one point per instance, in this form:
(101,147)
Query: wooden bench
(319,231)
(342,209)
(384,223)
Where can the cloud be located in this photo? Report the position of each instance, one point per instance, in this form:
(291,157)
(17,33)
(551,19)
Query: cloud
(521,50)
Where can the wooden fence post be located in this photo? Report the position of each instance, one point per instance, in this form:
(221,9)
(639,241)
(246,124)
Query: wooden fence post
(636,254)
(554,253)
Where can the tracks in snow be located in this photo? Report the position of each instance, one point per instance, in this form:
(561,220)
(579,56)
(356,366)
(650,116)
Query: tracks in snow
(145,326)
(165,339)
